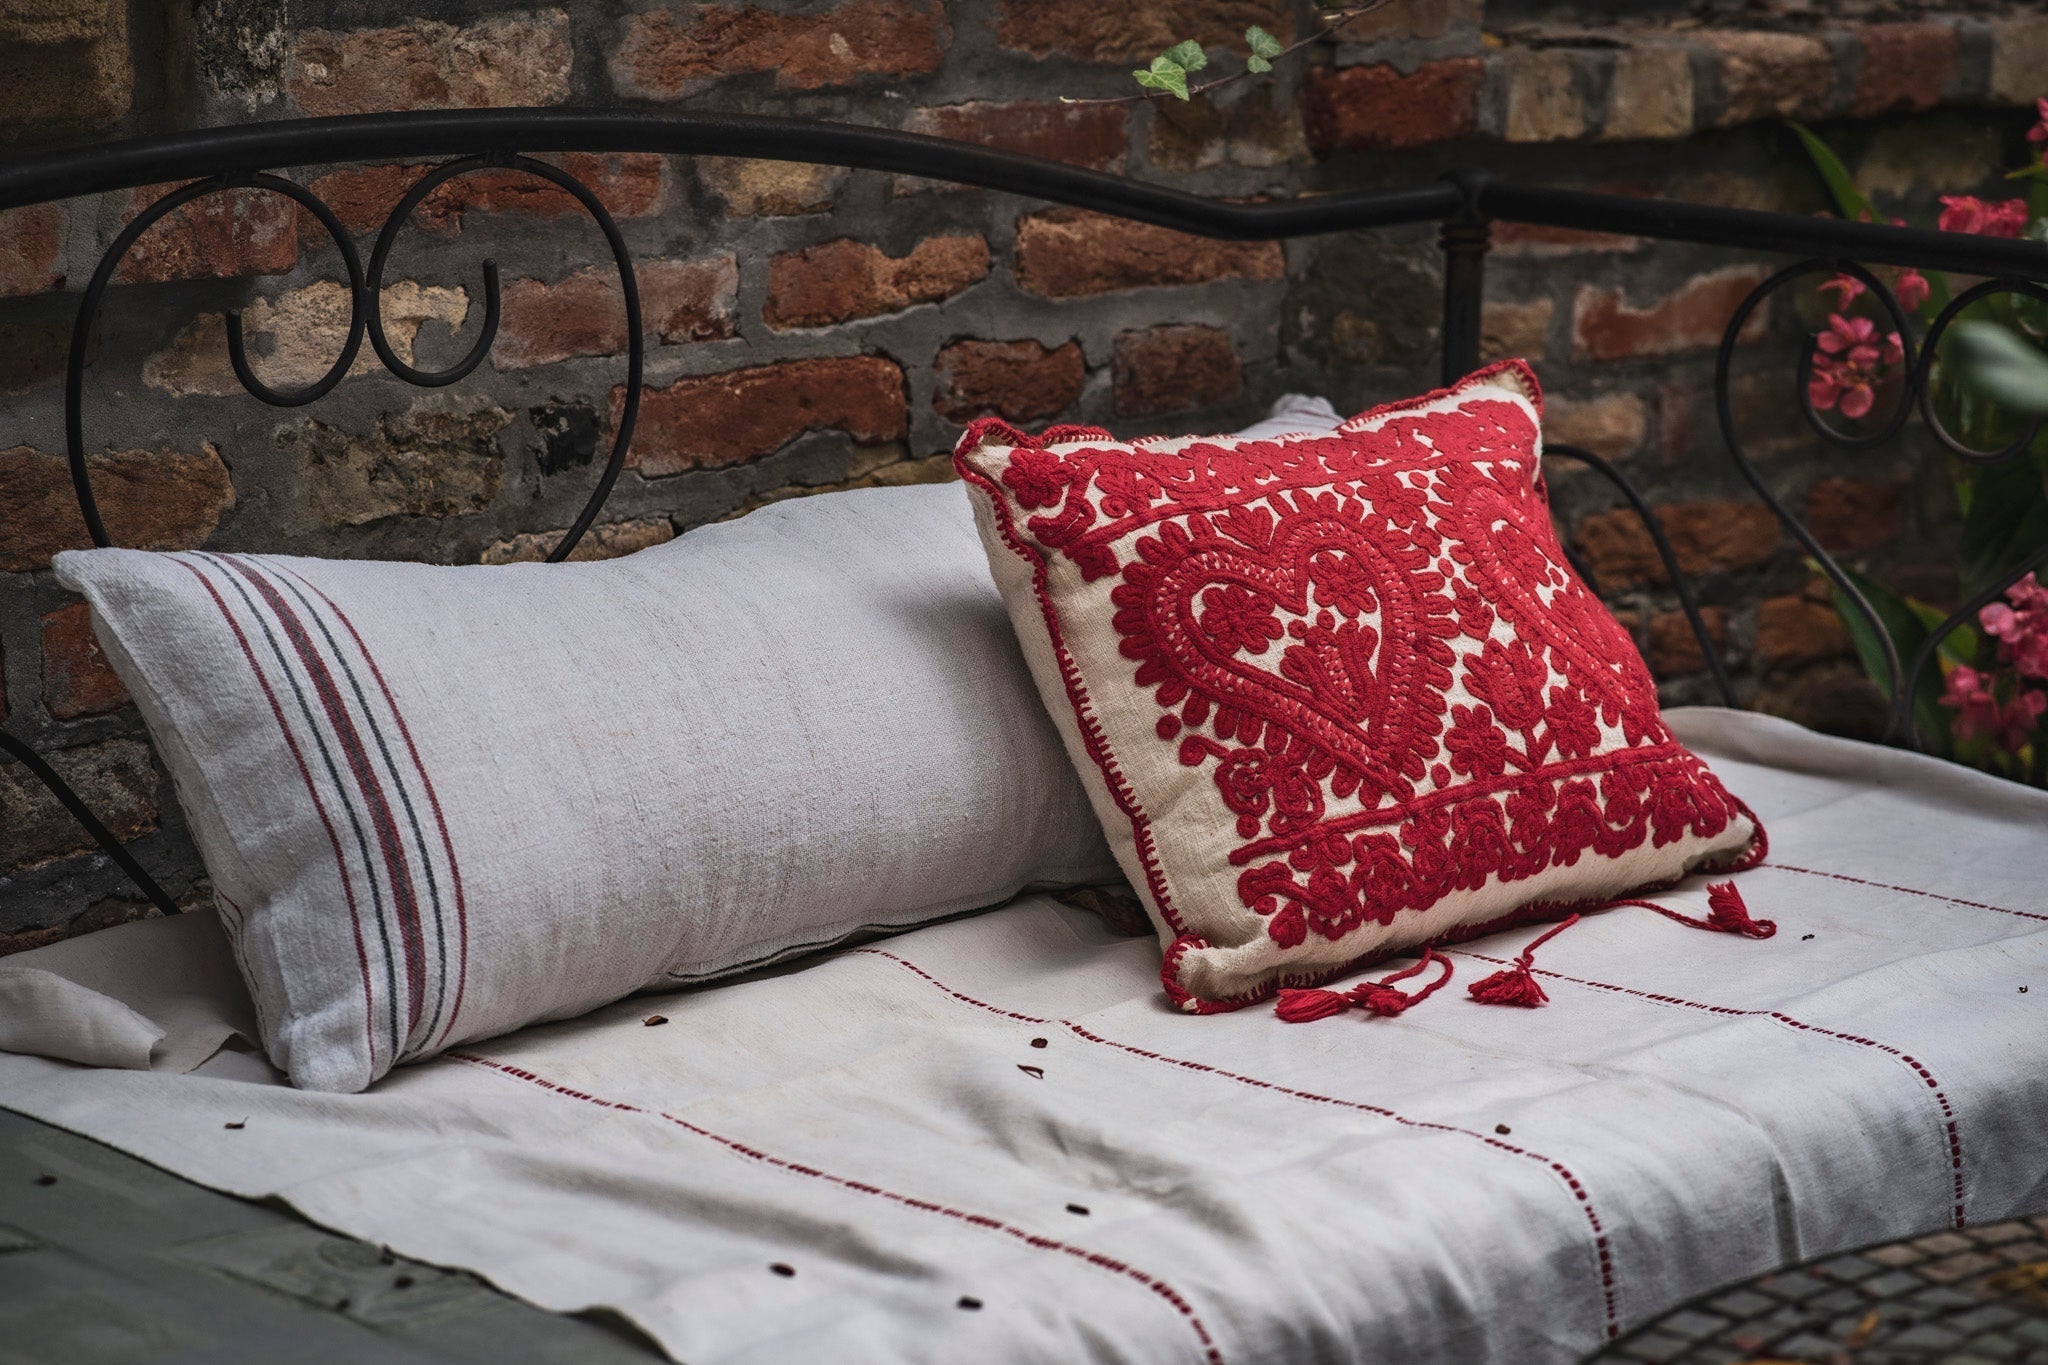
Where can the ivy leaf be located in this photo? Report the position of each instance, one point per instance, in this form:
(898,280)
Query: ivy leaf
(1188,56)
(1166,75)
(1264,48)
(1850,201)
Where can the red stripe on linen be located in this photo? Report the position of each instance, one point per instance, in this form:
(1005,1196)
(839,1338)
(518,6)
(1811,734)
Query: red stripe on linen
(980,1220)
(1603,1251)
(1907,890)
(313,791)
(433,802)
(1919,1068)
(397,867)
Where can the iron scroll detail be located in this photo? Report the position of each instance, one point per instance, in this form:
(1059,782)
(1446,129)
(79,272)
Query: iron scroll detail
(1916,362)
(365,298)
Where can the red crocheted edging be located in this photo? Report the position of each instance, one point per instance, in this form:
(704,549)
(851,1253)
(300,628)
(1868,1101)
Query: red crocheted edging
(1530,386)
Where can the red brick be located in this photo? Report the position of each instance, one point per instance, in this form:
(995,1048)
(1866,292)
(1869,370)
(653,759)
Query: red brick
(1175,369)
(1772,75)
(844,279)
(1799,630)
(1534,239)
(425,64)
(161,500)
(31,250)
(1370,108)
(1905,67)
(77,680)
(1092,31)
(1064,253)
(241,232)
(708,421)
(1674,650)
(27,939)
(1606,327)
(1848,516)
(672,52)
(1706,536)
(362,197)
(584,315)
(1020,381)
(1091,135)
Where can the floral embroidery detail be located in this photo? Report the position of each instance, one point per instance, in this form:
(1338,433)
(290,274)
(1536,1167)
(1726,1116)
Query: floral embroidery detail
(1372,644)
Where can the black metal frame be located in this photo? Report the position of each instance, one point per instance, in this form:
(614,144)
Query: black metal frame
(1463,203)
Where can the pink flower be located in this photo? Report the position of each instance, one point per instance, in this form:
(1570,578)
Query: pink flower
(1979,712)
(2039,132)
(1912,289)
(2020,625)
(1967,213)
(1848,289)
(1854,362)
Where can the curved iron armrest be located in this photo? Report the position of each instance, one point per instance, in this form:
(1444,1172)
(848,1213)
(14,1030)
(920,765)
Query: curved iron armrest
(1463,203)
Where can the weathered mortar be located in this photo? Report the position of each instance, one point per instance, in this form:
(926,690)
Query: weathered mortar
(910,304)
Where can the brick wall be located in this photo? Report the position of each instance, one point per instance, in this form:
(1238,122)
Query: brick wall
(812,329)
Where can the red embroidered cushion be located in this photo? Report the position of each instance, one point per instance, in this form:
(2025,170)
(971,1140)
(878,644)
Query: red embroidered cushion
(1338,695)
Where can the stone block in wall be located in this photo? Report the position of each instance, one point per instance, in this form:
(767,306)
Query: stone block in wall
(1852,516)
(503,60)
(1135,30)
(1766,74)
(1520,330)
(1247,124)
(606,540)
(841,280)
(585,314)
(1358,303)
(1175,368)
(629,185)
(114,778)
(1707,537)
(770,189)
(708,421)
(2019,59)
(295,337)
(82,81)
(1019,381)
(1539,90)
(1091,135)
(1673,650)
(1612,426)
(217,236)
(32,249)
(1605,326)
(1905,67)
(431,461)
(149,500)
(1067,253)
(1649,93)
(669,53)
(1381,108)
(77,679)
(1413,19)
(1799,629)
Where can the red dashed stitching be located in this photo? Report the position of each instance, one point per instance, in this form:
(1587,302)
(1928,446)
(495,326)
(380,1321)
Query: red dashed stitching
(1600,1240)
(1908,891)
(1948,1113)
(1094,1258)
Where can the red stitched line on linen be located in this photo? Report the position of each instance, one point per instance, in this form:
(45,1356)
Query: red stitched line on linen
(1948,1113)
(1558,1168)
(306,775)
(980,1220)
(1907,890)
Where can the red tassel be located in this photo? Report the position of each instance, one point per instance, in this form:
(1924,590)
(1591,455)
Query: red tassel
(1384,1001)
(1516,985)
(1726,912)
(1305,1007)
(1511,987)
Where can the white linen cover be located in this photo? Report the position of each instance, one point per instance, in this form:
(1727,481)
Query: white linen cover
(438,803)
(1463,1183)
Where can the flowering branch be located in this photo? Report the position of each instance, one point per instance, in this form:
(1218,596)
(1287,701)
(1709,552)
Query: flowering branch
(1169,71)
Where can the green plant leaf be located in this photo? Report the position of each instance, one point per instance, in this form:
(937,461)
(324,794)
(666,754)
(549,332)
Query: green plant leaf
(1263,44)
(1164,74)
(1188,55)
(1904,622)
(1850,202)
(2002,365)
(1257,64)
